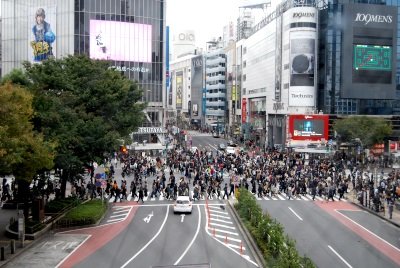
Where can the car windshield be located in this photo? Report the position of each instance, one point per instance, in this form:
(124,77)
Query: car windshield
(182,202)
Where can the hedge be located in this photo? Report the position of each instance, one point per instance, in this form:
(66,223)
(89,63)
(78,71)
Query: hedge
(84,214)
(57,205)
(277,248)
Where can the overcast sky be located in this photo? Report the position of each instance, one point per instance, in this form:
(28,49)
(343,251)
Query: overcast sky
(206,17)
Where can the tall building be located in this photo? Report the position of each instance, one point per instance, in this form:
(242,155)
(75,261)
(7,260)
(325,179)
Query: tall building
(216,107)
(342,73)
(128,33)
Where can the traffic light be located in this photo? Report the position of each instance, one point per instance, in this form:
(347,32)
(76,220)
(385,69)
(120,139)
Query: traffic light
(123,149)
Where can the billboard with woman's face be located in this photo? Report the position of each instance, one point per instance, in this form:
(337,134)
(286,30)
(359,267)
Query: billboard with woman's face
(43,38)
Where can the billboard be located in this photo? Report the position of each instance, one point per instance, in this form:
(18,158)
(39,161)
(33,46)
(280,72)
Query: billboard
(244,110)
(302,68)
(179,85)
(308,127)
(43,37)
(369,51)
(120,41)
(196,83)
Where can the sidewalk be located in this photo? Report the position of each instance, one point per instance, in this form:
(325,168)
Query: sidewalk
(352,197)
(5,216)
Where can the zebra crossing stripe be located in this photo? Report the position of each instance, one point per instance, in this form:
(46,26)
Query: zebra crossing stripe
(266,198)
(281,197)
(304,198)
(258,198)
(309,196)
(274,198)
(319,198)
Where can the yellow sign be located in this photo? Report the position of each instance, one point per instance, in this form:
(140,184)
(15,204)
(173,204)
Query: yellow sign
(234,93)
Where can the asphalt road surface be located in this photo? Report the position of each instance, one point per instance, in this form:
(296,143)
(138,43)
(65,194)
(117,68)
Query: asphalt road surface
(337,234)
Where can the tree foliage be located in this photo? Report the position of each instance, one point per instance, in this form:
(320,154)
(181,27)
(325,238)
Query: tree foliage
(370,130)
(23,152)
(84,107)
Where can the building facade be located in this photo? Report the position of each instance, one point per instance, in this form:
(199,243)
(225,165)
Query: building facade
(130,34)
(216,107)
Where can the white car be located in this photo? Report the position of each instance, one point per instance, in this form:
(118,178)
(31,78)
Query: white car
(231,150)
(183,204)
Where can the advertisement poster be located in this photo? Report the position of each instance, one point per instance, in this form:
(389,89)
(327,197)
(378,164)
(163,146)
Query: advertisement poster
(43,36)
(195,109)
(302,61)
(309,127)
(244,110)
(120,41)
(179,85)
(170,89)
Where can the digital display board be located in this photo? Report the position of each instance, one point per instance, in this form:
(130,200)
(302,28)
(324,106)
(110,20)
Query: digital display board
(308,127)
(120,41)
(368,52)
(376,58)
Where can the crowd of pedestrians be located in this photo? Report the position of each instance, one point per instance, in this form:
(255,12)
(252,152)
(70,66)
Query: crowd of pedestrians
(266,175)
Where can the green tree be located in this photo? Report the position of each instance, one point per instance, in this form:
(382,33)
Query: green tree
(23,152)
(84,107)
(370,130)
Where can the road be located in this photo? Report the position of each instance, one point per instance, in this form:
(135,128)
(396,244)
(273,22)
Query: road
(334,234)
(337,234)
(147,235)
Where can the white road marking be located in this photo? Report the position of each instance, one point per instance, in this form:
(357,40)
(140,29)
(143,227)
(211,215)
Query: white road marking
(274,198)
(114,216)
(219,212)
(147,219)
(223,231)
(266,198)
(235,246)
(182,217)
(72,252)
(295,214)
(281,197)
(114,220)
(214,219)
(194,238)
(380,238)
(122,211)
(340,257)
(219,216)
(207,230)
(229,238)
(223,226)
(304,198)
(148,243)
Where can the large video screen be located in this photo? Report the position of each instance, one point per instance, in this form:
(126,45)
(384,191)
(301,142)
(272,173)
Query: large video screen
(120,41)
(372,64)
(308,128)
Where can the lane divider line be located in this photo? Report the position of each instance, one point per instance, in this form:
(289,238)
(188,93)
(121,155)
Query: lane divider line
(295,214)
(194,238)
(340,257)
(151,240)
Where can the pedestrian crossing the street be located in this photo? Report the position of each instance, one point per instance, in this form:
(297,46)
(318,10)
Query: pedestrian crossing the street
(306,197)
(119,213)
(214,196)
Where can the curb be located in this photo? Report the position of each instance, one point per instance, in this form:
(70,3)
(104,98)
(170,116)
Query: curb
(248,238)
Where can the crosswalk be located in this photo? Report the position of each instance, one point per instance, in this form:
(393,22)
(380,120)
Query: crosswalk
(284,197)
(276,197)
(119,213)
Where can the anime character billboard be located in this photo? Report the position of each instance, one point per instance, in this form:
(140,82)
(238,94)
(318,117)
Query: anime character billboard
(43,37)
